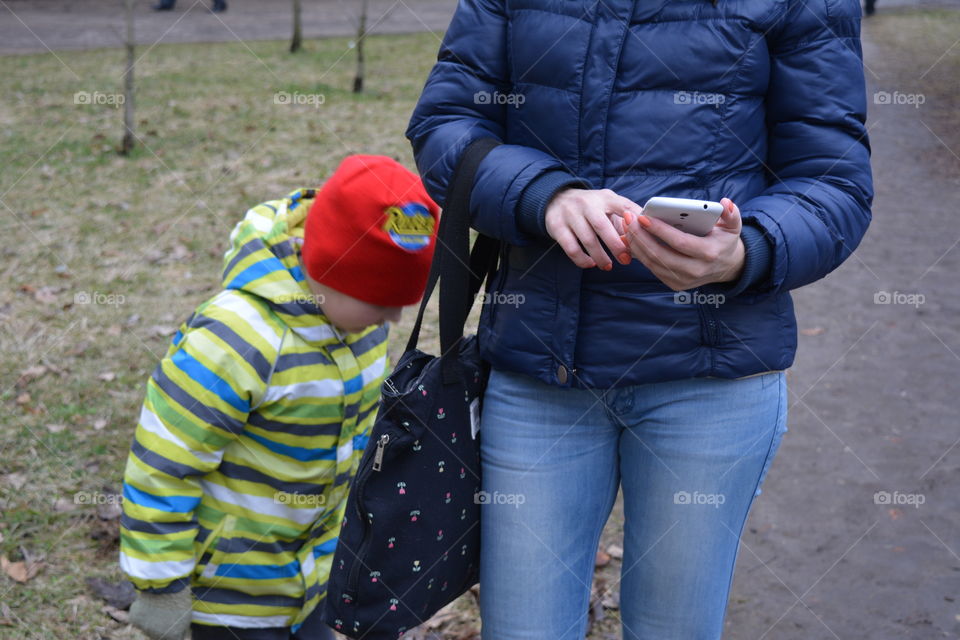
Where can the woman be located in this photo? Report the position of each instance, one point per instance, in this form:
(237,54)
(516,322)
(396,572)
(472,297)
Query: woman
(654,361)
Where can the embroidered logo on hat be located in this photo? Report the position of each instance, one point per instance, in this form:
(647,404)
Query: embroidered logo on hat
(410,226)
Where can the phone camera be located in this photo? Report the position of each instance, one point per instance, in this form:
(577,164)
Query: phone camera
(704,205)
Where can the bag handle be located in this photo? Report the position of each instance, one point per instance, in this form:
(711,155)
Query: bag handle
(460,271)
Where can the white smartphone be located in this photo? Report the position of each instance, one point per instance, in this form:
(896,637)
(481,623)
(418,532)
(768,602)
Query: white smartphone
(693,216)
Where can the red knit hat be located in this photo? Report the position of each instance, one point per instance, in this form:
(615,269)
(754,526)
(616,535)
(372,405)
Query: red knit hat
(370,232)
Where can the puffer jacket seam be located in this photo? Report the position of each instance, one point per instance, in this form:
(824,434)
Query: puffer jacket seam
(795,47)
(608,98)
(471,71)
(542,86)
(690,174)
(547,11)
(580,93)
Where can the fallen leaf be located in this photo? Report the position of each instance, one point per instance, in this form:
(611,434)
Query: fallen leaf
(107,376)
(23,398)
(6,616)
(56,428)
(815,331)
(602,559)
(20,571)
(117,614)
(46,295)
(31,373)
(161,330)
(75,604)
(114,330)
(99,424)
(615,551)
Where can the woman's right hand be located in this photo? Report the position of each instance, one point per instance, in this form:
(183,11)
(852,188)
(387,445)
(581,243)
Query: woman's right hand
(581,219)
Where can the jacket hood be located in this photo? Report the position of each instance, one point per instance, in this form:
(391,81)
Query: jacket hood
(263,260)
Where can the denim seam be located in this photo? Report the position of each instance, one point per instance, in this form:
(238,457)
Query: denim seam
(753,494)
(585,605)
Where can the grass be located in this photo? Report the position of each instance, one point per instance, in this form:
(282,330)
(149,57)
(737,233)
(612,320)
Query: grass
(143,237)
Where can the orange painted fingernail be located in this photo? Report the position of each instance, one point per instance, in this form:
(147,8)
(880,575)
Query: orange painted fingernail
(644,221)
(624,258)
(624,240)
(628,217)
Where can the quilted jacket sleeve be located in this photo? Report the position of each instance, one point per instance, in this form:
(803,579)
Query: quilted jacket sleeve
(197,402)
(817,207)
(455,109)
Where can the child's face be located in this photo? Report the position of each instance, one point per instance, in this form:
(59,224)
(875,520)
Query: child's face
(349,314)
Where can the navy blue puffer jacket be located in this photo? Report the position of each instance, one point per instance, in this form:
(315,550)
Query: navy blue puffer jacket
(761,101)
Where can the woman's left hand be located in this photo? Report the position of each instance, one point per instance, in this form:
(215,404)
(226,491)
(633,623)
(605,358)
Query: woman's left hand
(685,261)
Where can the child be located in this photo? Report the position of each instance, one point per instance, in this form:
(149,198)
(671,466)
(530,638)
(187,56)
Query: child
(255,419)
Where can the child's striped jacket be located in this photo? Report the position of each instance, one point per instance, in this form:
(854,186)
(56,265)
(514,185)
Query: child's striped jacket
(252,426)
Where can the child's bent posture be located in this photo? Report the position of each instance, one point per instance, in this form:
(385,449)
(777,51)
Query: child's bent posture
(254,421)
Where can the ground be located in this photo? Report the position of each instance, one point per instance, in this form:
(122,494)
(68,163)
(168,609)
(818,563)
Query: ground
(104,256)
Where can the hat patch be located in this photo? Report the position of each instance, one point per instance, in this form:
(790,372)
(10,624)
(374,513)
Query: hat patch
(410,226)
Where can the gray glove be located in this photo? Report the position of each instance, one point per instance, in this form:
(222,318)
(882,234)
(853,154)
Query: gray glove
(162,616)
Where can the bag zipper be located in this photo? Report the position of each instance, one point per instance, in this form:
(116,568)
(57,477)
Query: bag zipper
(354,577)
(378,456)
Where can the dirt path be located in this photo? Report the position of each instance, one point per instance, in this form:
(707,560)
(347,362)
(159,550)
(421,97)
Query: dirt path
(873,408)
(36,26)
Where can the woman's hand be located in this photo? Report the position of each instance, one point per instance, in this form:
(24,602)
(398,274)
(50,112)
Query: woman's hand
(685,261)
(580,219)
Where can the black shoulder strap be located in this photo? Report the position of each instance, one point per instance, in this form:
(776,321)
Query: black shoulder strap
(460,271)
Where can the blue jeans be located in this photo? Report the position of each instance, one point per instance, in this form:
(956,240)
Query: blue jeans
(690,456)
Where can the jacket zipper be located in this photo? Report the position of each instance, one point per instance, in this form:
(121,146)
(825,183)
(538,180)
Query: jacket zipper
(354,577)
(713,330)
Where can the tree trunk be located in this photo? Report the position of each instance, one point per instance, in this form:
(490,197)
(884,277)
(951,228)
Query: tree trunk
(361,36)
(127,144)
(297,39)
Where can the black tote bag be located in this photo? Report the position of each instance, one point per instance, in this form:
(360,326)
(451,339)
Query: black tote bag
(410,540)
